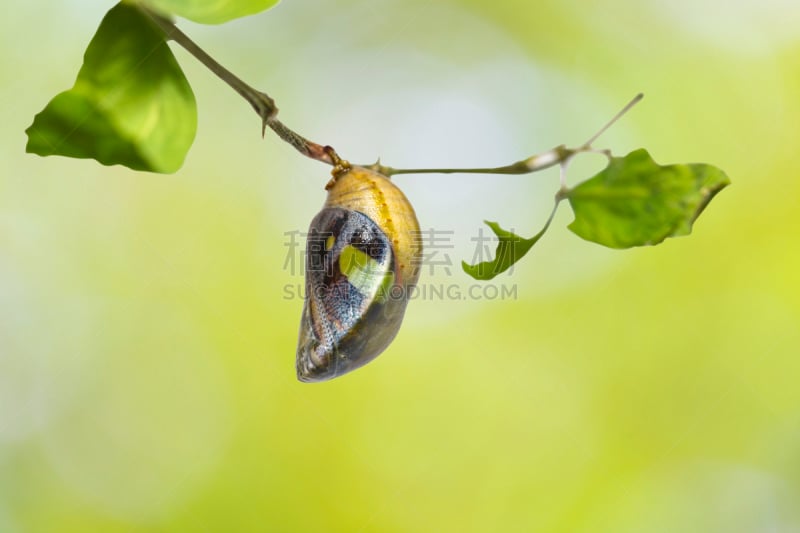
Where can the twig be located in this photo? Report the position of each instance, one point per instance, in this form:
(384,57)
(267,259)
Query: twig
(560,155)
(261,102)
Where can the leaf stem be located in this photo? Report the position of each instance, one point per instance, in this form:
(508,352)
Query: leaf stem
(261,102)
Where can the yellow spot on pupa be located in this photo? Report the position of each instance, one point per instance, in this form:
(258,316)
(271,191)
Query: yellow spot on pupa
(329,242)
(363,272)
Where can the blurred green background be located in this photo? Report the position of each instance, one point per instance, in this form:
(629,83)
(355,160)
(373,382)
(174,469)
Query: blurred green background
(147,341)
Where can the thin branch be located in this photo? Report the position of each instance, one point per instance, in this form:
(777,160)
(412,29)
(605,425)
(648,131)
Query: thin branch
(560,155)
(265,107)
(534,163)
(261,102)
(635,100)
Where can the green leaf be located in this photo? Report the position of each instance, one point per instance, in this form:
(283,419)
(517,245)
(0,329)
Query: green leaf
(131,104)
(510,249)
(215,12)
(634,201)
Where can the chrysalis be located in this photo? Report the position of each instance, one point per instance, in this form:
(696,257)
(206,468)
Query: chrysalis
(362,260)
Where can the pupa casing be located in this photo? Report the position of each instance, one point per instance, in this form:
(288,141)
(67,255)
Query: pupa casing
(363,255)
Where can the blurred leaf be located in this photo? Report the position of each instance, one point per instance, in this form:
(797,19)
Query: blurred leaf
(207,12)
(131,104)
(510,249)
(634,201)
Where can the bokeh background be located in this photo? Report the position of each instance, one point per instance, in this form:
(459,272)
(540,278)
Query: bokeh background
(148,323)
